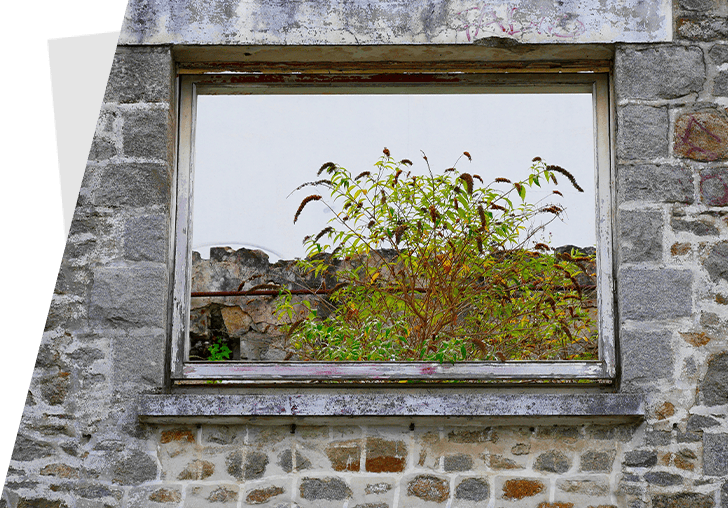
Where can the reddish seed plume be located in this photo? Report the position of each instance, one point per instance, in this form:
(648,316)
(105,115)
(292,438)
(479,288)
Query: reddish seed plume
(306,200)
(433,213)
(557,192)
(362,175)
(559,169)
(396,176)
(493,206)
(481,213)
(328,167)
(386,151)
(477,177)
(502,180)
(468,179)
(324,231)
(406,162)
(536,159)
(466,154)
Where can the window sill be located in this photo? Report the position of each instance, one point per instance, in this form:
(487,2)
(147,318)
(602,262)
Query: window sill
(292,405)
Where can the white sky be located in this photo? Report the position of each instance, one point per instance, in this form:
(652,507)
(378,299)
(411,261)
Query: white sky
(253,150)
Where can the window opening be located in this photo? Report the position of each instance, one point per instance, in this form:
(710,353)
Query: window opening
(254,144)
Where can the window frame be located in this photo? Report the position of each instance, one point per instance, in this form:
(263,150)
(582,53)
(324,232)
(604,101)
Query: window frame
(183,371)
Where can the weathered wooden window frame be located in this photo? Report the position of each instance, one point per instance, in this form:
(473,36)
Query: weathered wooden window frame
(184,371)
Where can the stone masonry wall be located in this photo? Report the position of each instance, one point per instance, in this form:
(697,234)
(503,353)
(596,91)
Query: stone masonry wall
(81,445)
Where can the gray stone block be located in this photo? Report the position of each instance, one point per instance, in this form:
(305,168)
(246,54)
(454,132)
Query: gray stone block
(640,236)
(720,84)
(27,449)
(132,185)
(700,422)
(146,134)
(459,462)
(715,454)
(663,478)
(655,294)
(714,386)
(658,72)
(324,488)
(718,54)
(697,227)
(683,500)
(697,5)
(714,186)
(138,467)
(472,489)
(133,369)
(646,356)
(145,238)
(595,461)
(642,132)
(716,264)
(710,28)
(552,462)
(140,75)
(724,494)
(663,183)
(129,296)
(101,149)
(640,458)
(255,464)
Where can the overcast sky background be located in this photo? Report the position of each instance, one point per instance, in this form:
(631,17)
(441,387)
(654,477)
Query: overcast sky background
(253,150)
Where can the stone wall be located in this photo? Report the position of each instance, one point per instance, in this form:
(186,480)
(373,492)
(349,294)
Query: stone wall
(82,445)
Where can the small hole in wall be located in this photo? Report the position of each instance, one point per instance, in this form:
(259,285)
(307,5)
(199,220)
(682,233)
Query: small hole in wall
(293,428)
(412,426)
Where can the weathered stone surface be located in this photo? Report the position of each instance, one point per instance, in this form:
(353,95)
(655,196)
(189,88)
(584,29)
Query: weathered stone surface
(715,454)
(378,488)
(640,458)
(640,235)
(165,495)
(197,470)
(655,294)
(132,184)
(324,488)
(138,467)
(552,462)
(696,227)
(724,494)
(223,495)
(486,435)
(260,496)
(140,75)
(700,422)
(642,132)
(460,462)
(520,488)
(499,462)
(129,296)
(720,85)
(646,356)
(594,461)
(714,387)
(384,456)
(660,183)
(718,54)
(701,135)
(28,449)
(709,28)
(663,478)
(54,388)
(41,503)
(473,489)
(145,239)
(584,487)
(429,488)
(697,5)
(660,72)
(683,500)
(236,321)
(714,186)
(145,134)
(60,470)
(285,461)
(344,456)
(716,264)
(101,149)
(255,464)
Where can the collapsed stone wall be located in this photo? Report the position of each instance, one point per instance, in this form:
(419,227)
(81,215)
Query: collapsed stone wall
(81,445)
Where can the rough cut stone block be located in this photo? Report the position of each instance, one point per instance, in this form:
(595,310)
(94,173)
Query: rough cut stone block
(720,84)
(661,72)
(594,461)
(715,454)
(126,296)
(714,387)
(552,462)
(702,135)
(132,185)
(642,132)
(655,294)
(696,227)
(206,496)
(145,134)
(663,478)
(140,75)
(683,500)
(517,489)
(472,489)
(429,488)
(640,236)
(719,54)
(714,186)
(138,467)
(697,5)
(716,264)
(324,488)
(709,28)
(646,355)
(460,462)
(640,458)
(385,456)
(663,183)
(145,238)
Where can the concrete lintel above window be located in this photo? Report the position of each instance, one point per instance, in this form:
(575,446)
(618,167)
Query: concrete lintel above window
(466,403)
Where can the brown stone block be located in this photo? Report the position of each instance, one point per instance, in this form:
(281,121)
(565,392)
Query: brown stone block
(260,496)
(177,435)
(702,135)
(429,488)
(344,456)
(520,488)
(385,456)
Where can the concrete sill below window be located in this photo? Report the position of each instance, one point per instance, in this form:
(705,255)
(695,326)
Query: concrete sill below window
(430,405)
